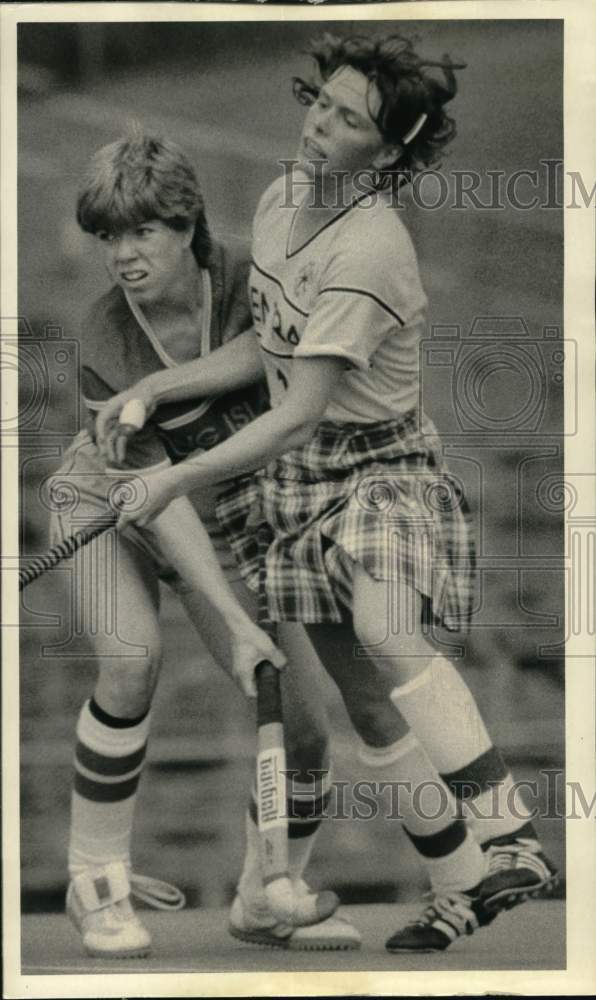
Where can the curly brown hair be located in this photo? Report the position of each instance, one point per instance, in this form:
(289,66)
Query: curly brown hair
(406,89)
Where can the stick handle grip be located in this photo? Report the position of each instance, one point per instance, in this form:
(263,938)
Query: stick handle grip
(268,694)
(271,756)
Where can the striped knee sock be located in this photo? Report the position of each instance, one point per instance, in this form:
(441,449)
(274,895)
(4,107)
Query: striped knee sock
(108,761)
(489,799)
(430,815)
(441,710)
(306,803)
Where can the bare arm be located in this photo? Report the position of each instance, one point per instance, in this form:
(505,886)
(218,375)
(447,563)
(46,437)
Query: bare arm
(186,543)
(288,426)
(236,364)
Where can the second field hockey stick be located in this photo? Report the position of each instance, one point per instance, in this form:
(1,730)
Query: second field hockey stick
(62,550)
(272,814)
(272,817)
(132,418)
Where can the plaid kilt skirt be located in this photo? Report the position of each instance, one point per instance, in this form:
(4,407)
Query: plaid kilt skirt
(376,494)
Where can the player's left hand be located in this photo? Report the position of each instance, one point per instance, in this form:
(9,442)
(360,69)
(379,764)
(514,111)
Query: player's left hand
(152,494)
(249,648)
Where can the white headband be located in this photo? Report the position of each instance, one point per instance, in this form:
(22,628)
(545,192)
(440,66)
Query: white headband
(414,130)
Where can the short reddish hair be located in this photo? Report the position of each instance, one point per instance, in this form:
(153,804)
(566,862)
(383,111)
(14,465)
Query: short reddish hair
(138,178)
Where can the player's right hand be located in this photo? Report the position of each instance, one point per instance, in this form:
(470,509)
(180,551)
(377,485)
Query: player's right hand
(110,438)
(249,648)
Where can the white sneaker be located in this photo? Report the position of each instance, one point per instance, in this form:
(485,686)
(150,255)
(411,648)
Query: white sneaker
(252,921)
(98,904)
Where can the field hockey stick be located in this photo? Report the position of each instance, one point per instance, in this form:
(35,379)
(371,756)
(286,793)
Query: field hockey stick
(183,539)
(272,817)
(272,798)
(63,550)
(132,418)
(179,542)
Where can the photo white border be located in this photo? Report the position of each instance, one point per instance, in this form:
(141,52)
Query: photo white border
(580,148)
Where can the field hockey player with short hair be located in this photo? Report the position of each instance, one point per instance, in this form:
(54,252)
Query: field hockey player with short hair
(338,311)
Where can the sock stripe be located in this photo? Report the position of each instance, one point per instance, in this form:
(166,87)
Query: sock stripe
(527,831)
(438,845)
(470,781)
(307,808)
(313,789)
(305,778)
(299,810)
(109,766)
(97,791)
(298,827)
(113,721)
(102,779)
(302,828)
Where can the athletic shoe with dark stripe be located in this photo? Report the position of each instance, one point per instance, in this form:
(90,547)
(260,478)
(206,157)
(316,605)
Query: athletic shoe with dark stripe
(518,870)
(448,916)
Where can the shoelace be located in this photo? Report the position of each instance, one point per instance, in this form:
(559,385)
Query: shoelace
(522,854)
(453,907)
(160,895)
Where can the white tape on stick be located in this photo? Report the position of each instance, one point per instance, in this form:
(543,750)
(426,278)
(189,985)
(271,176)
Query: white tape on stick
(133,414)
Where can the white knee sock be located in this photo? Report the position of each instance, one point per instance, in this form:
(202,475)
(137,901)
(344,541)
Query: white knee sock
(446,848)
(439,707)
(497,811)
(443,714)
(108,762)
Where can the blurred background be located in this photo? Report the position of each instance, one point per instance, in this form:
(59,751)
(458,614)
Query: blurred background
(223,91)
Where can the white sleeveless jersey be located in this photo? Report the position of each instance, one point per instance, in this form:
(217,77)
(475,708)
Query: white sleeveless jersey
(351,291)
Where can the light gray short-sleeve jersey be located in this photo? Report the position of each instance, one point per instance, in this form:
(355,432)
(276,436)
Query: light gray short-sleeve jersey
(352,291)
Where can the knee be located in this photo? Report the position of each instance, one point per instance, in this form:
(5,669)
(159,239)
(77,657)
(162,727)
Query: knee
(125,686)
(376,720)
(372,631)
(398,657)
(396,642)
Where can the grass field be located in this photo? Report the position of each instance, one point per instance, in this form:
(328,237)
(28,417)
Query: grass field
(529,937)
